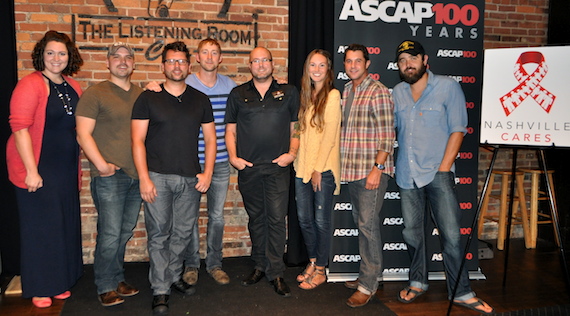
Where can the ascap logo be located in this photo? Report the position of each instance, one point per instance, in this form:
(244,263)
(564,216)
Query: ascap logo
(413,13)
(456,53)
(342,76)
(346,258)
(345,232)
(395,246)
(447,18)
(343,206)
(437,257)
(393,221)
(392,196)
(372,50)
(387,11)
(396,270)
(462,231)
(463,180)
(464,79)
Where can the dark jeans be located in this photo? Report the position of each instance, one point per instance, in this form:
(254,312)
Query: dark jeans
(366,207)
(314,210)
(265,192)
(118,202)
(445,212)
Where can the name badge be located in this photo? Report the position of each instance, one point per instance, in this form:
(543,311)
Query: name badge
(278,94)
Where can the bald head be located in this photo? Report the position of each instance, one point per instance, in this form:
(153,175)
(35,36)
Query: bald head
(259,51)
(261,64)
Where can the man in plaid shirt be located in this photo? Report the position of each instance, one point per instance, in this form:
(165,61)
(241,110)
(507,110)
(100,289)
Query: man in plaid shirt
(366,147)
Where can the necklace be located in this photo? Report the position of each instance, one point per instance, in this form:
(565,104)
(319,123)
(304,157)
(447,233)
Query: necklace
(64,97)
(179,98)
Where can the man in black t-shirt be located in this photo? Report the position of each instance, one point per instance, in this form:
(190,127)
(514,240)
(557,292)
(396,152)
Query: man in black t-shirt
(165,128)
(260,118)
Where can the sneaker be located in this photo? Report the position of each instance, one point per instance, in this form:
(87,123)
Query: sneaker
(219,275)
(190,275)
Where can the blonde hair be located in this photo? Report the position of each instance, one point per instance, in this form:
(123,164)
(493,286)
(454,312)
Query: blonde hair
(319,100)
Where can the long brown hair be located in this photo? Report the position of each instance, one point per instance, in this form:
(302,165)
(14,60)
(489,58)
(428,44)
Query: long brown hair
(319,100)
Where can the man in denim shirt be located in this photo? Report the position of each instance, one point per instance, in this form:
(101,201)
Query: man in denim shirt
(431,120)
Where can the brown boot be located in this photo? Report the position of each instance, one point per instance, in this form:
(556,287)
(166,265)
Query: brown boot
(358,299)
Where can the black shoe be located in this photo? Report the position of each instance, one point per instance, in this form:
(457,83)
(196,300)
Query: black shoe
(281,287)
(253,278)
(183,287)
(160,304)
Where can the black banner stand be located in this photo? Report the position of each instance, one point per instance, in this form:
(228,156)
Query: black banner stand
(553,210)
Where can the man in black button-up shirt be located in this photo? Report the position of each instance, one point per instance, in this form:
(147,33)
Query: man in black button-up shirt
(261,143)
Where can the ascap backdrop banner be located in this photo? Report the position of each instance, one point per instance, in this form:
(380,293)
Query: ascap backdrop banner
(451,32)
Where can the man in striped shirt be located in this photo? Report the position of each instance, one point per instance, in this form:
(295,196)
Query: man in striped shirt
(366,147)
(217,87)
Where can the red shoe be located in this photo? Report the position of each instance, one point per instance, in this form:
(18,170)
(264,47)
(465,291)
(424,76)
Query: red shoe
(41,302)
(63,295)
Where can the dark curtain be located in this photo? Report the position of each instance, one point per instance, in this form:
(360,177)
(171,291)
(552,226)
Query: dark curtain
(9,224)
(557,158)
(310,26)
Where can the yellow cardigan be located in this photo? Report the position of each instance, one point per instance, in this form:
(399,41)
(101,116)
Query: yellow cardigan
(320,151)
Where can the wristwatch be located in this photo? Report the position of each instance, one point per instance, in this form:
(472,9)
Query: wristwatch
(379,166)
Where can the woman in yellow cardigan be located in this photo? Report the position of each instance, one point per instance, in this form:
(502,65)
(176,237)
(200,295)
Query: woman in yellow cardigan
(317,164)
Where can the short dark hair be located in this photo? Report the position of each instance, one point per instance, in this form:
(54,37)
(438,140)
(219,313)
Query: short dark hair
(177,47)
(75,61)
(358,47)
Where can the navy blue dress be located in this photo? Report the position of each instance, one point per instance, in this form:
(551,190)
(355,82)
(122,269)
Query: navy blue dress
(51,257)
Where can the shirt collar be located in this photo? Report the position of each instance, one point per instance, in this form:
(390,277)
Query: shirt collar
(367,81)
(274,85)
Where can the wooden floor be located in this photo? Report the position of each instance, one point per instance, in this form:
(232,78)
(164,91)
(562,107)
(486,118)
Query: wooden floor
(534,279)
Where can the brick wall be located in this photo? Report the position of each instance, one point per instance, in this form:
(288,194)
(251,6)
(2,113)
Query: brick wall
(508,23)
(511,23)
(94,27)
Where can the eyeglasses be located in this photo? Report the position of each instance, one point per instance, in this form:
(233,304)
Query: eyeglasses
(173,61)
(258,61)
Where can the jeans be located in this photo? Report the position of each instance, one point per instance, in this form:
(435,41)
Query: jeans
(440,196)
(314,210)
(216,198)
(118,202)
(169,224)
(265,192)
(366,207)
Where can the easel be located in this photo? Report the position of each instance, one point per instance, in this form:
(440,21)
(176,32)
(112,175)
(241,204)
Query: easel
(553,210)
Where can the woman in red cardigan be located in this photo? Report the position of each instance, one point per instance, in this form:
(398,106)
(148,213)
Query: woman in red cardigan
(43,164)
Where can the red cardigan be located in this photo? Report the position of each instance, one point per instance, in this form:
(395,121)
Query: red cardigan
(28,110)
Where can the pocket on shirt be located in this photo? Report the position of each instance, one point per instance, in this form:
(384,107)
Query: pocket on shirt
(432,114)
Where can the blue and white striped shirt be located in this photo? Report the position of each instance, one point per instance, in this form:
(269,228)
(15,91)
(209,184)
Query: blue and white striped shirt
(218,95)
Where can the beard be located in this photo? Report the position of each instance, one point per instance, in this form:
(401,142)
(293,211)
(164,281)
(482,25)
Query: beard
(412,78)
(262,76)
(174,78)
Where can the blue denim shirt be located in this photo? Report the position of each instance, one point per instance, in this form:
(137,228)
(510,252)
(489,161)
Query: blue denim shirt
(423,128)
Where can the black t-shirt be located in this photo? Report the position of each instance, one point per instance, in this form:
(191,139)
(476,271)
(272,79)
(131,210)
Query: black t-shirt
(174,126)
(263,124)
